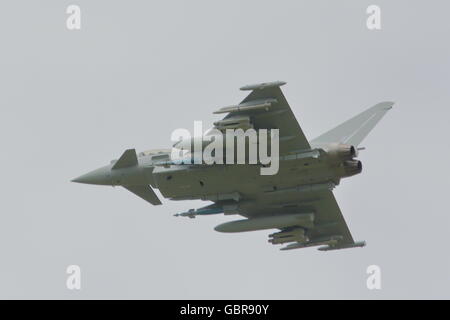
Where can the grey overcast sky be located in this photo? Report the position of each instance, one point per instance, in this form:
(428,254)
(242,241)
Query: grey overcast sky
(73,100)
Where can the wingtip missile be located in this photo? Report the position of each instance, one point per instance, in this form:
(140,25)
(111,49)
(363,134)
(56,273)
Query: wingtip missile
(260,86)
(357,244)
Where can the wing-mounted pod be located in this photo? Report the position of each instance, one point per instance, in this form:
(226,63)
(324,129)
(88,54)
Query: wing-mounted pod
(239,116)
(327,240)
(305,220)
(234,122)
(327,244)
(295,234)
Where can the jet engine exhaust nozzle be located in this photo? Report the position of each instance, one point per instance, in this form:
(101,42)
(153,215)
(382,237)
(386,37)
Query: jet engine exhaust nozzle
(352,167)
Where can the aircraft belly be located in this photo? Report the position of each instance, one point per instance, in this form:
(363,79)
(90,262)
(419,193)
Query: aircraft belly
(209,182)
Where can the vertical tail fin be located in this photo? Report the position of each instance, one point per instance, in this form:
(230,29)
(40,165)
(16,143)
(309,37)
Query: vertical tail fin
(354,130)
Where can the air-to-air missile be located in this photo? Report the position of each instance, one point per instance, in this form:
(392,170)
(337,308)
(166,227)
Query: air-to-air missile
(357,244)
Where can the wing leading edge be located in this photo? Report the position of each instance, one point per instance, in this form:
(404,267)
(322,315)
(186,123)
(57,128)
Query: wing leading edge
(329,230)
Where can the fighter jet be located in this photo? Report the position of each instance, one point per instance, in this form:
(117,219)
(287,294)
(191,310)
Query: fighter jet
(297,202)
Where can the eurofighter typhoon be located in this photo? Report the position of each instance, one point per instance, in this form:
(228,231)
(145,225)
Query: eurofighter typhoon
(289,192)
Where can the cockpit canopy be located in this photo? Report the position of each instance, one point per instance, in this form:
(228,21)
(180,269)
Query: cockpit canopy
(154,152)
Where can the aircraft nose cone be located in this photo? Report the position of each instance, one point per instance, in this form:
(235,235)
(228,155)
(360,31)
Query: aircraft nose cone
(99,176)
